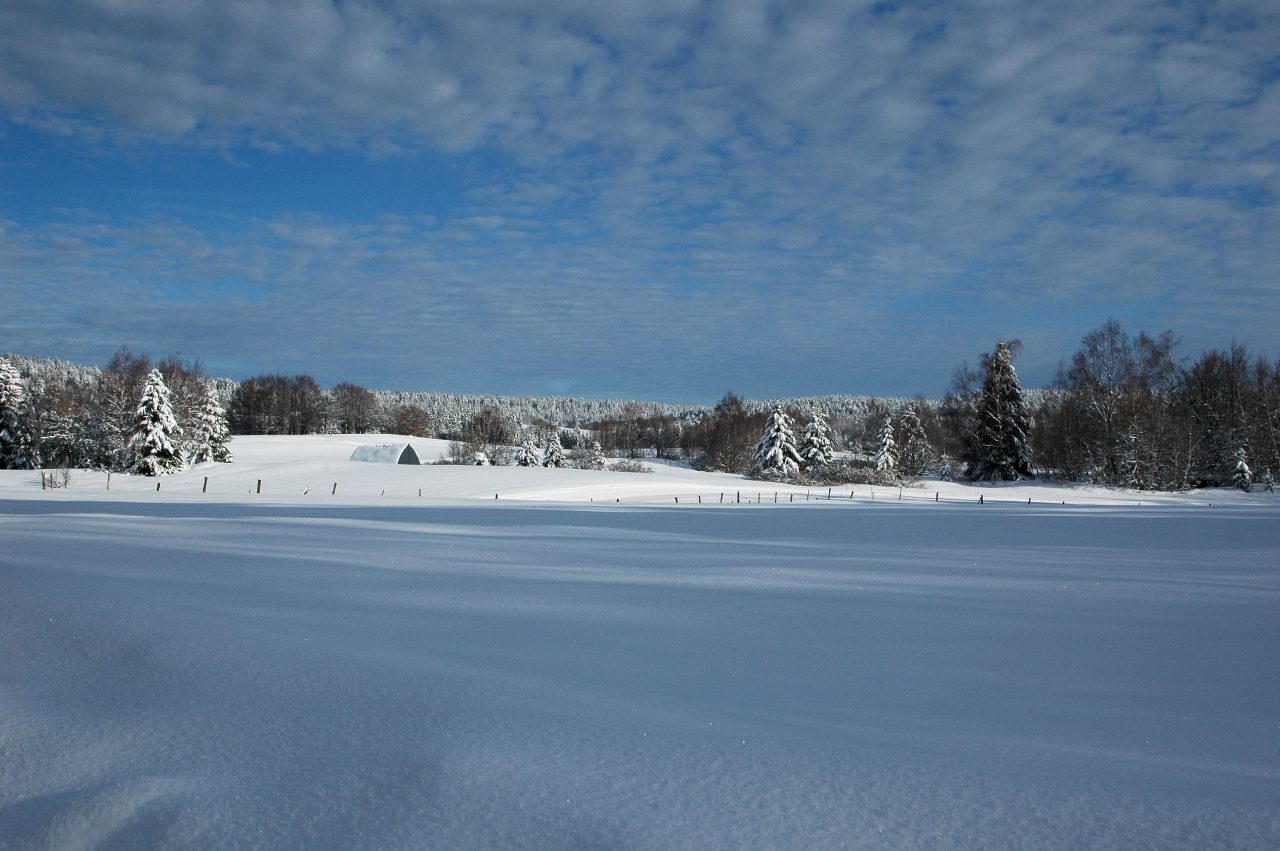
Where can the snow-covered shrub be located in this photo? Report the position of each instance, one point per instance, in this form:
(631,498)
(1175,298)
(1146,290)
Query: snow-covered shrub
(628,466)
(1241,475)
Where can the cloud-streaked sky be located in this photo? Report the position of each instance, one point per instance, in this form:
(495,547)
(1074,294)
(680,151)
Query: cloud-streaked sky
(639,198)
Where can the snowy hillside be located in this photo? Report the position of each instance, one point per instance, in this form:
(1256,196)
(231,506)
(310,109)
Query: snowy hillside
(304,469)
(554,669)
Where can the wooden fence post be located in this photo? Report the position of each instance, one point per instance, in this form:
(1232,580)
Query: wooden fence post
(334,492)
(205,487)
(259,485)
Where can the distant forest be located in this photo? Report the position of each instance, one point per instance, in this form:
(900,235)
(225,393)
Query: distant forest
(1125,410)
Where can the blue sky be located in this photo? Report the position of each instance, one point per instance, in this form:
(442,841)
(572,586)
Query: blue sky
(651,199)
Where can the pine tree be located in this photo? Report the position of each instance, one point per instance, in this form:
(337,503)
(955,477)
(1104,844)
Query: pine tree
(776,452)
(1000,448)
(553,455)
(16,450)
(151,449)
(887,451)
(528,455)
(916,456)
(209,440)
(594,458)
(816,450)
(1241,475)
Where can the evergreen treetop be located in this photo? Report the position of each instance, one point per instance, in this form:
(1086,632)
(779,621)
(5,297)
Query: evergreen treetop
(915,455)
(210,439)
(776,453)
(1001,446)
(553,455)
(528,455)
(1241,475)
(816,450)
(594,458)
(887,448)
(151,450)
(16,450)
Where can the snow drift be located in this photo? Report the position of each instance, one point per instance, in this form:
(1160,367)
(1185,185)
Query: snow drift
(188,671)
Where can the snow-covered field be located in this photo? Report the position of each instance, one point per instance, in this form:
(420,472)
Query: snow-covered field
(584,663)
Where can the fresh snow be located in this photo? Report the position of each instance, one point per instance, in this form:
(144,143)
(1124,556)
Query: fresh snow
(557,669)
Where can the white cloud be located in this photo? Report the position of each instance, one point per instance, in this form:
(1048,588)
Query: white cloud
(1012,160)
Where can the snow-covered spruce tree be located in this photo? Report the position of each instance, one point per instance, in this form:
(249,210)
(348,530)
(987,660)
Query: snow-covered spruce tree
(1241,475)
(776,453)
(151,450)
(209,439)
(944,468)
(886,448)
(553,455)
(816,450)
(594,458)
(915,455)
(1001,446)
(16,451)
(479,459)
(528,455)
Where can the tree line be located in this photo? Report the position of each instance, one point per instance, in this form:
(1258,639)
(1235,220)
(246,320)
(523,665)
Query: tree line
(124,420)
(1124,410)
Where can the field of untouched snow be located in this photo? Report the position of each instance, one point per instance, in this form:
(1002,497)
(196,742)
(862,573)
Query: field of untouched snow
(317,470)
(229,669)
